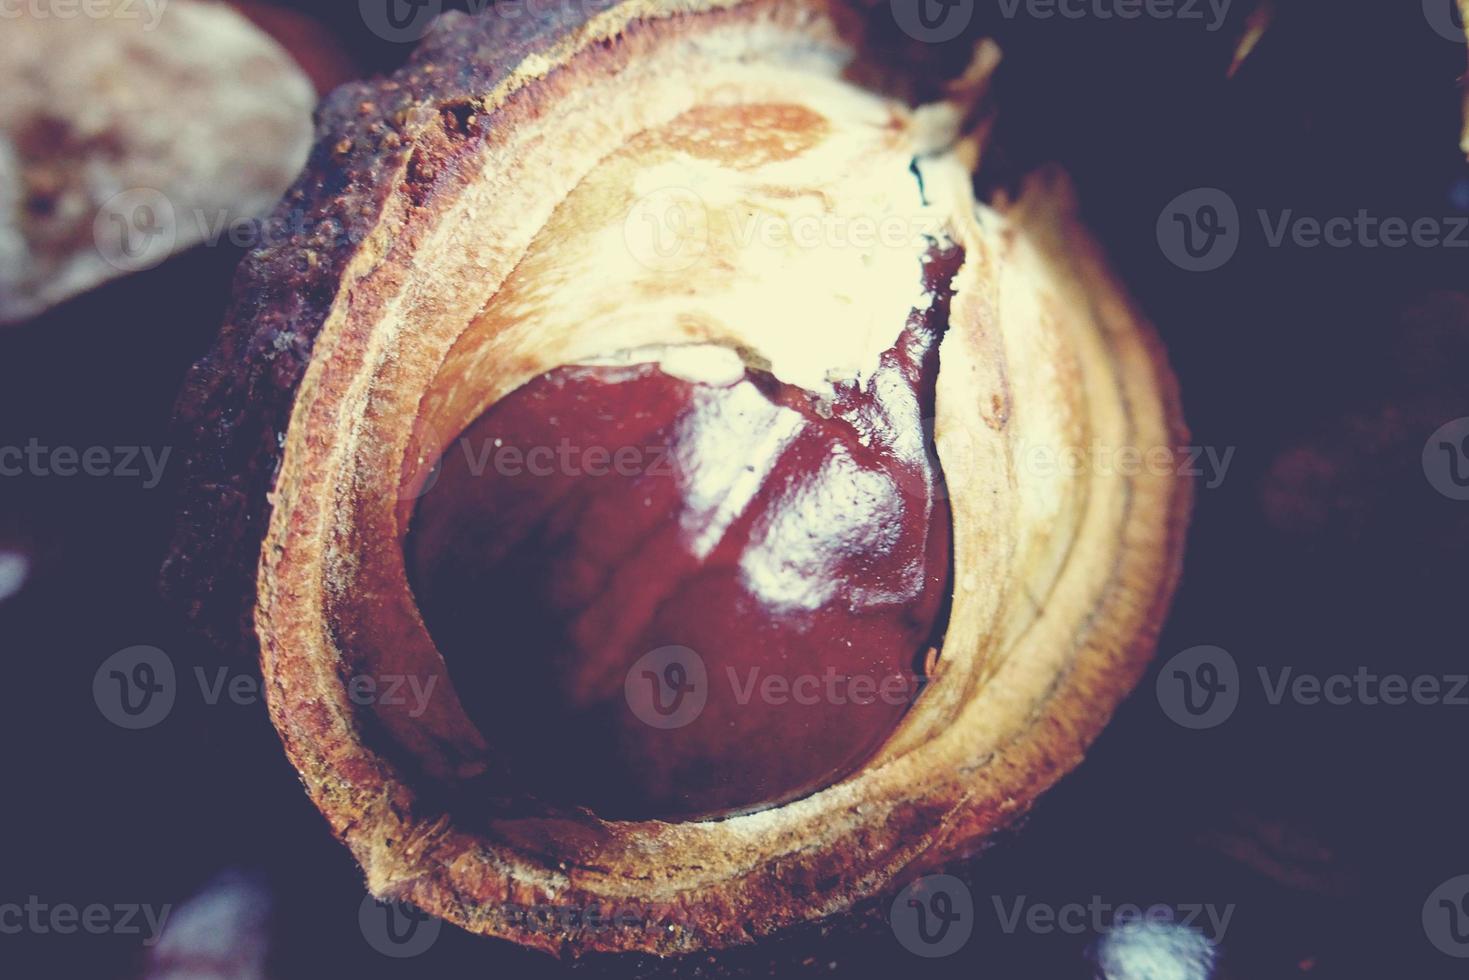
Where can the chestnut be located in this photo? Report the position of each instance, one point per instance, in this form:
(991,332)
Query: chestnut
(130,133)
(790,547)
(744,233)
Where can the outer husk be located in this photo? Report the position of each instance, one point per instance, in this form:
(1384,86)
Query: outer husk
(304,421)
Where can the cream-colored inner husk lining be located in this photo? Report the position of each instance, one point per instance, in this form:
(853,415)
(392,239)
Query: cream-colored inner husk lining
(540,261)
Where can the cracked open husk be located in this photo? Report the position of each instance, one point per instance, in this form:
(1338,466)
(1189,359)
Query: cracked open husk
(473,225)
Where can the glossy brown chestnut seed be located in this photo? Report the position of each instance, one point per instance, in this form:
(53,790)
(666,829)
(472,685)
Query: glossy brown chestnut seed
(669,595)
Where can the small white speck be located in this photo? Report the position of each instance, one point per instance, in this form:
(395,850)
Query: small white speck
(14,569)
(1154,949)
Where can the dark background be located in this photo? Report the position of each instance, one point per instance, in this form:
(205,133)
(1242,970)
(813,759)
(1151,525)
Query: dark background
(1324,549)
